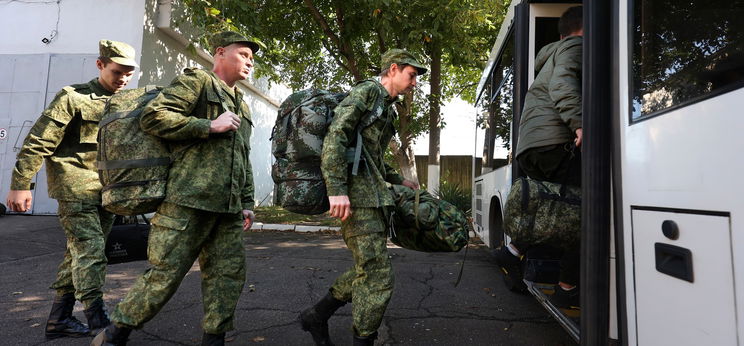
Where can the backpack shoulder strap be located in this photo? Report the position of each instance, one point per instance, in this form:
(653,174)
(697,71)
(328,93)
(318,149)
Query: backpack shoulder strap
(367,119)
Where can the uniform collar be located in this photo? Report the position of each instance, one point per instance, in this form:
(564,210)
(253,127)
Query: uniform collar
(388,100)
(234,91)
(98,89)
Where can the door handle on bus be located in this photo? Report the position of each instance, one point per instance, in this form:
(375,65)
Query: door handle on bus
(674,261)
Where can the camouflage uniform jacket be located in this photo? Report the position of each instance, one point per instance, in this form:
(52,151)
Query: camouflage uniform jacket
(370,108)
(212,172)
(65,136)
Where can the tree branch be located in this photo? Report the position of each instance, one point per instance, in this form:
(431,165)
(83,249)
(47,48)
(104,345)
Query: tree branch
(343,46)
(322,22)
(466,86)
(346,48)
(334,55)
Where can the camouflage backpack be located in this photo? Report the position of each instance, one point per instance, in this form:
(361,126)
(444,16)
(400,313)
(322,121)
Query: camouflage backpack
(297,143)
(540,212)
(421,222)
(132,165)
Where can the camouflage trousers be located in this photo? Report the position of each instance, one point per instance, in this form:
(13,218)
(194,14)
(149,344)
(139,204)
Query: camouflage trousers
(368,285)
(179,235)
(83,268)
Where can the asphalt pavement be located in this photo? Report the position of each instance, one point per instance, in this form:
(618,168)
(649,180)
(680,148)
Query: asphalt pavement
(286,272)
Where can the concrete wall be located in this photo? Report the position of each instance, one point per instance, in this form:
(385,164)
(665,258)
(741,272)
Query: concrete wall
(79,25)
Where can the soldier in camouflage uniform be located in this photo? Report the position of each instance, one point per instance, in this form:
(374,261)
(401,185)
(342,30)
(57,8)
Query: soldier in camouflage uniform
(360,200)
(65,137)
(209,195)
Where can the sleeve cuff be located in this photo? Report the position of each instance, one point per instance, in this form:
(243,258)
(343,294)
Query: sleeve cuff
(18,184)
(337,190)
(203,126)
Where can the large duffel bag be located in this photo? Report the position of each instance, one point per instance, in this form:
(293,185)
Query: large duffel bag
(422,222)
(542,212)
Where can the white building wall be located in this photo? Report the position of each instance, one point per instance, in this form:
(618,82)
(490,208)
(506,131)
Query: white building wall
(79,25)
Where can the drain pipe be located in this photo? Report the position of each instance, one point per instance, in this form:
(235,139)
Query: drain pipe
(163,25)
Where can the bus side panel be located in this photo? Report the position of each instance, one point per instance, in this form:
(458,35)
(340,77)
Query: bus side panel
(683,166)
(492,186)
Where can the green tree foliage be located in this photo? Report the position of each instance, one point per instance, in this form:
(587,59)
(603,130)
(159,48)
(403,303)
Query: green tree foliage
(330,44)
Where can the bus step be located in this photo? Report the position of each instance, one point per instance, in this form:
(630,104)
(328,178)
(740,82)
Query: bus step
(569,319)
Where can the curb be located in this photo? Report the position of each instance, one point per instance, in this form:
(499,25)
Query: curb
(294,228)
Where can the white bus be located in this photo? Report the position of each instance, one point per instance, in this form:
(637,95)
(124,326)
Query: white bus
(662,259)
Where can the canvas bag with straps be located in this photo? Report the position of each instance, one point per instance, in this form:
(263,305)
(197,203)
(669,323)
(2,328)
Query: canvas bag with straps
(543,212)
(132,164)
(297,144)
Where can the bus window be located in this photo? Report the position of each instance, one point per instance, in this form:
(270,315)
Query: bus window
(684,51)
(497,110)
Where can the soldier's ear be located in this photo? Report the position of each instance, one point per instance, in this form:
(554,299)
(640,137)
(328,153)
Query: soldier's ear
(394,67)
(100,65)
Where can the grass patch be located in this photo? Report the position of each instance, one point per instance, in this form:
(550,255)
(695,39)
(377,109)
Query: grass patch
(277,215)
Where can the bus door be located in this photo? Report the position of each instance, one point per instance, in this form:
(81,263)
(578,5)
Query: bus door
(542,29)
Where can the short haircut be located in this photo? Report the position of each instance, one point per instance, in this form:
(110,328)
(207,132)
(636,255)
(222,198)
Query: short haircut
(105,60)
(571,21)
(385,72)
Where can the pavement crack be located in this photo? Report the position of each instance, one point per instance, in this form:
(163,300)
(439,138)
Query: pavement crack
(426,281)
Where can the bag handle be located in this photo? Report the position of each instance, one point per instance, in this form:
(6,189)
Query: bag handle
(462,264)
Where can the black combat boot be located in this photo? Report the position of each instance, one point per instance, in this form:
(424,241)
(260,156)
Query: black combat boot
(315,319)
(112,336)
(213,339)
(61,322)
(368,340)
(97,316)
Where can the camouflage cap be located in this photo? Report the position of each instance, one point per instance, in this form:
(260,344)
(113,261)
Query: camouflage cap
(119,52)
(402,57)
(226,38)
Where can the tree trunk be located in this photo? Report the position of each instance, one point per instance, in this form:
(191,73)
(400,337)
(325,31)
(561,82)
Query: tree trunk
(406,160)
(434,116)
(401,146)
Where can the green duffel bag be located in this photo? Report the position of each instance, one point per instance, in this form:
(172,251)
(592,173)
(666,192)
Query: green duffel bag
(132,165)
(421,222)
(542,212)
